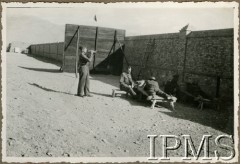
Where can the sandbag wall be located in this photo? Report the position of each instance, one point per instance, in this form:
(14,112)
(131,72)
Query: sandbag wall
(155,55)
(106,41)
(203,56)
(49,50)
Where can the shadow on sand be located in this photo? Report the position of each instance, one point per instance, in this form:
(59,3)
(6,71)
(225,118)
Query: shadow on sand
(219,120)
(102,94)
(42,69)
(132,101)
(48,90)
(107,79)
(46,60)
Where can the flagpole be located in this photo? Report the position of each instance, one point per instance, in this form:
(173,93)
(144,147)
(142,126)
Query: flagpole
(95,44)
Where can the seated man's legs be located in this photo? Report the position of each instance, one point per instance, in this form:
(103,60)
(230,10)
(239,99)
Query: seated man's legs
(128,90)
(151,95)
(166,96)
(131,91)
(162,94)
(140,92)
(170,99)
(146,93)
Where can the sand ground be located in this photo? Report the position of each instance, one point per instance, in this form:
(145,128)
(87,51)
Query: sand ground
(44,118)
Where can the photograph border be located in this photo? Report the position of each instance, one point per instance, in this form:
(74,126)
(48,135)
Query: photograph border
(235,5)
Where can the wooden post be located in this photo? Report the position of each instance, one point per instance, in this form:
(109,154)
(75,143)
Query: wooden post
(41,50)
(43,45)
(76,61)
(95,48)
(111,65)
(115,40)
(185,59)
(63,57)
(57,50)
(49,52)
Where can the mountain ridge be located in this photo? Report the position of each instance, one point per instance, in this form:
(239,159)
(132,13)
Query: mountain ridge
(33,30)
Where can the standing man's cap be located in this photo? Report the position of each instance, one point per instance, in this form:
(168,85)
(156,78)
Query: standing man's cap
(82,47)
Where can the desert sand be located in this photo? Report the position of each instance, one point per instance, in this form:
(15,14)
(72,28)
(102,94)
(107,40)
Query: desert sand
(45,118)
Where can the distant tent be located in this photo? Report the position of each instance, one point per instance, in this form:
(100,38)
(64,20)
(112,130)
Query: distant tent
(9,47)
(95,18)
(19,46)
(17,50)
(26,51)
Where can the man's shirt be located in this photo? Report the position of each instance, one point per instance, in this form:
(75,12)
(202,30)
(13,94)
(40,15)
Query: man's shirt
(126,79)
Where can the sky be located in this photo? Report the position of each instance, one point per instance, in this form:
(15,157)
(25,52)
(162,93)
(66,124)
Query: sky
(135,19)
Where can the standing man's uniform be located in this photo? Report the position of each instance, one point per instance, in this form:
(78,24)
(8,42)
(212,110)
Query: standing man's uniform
(83,69)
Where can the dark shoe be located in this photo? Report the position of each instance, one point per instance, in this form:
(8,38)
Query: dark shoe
(79,95)
(150,98)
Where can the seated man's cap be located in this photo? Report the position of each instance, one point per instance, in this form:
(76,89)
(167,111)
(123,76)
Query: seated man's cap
(152,78)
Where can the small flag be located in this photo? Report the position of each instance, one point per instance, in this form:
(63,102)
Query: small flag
(184,28)
(95,18)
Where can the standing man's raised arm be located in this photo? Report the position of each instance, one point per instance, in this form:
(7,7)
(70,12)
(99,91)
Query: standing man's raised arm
(87,58)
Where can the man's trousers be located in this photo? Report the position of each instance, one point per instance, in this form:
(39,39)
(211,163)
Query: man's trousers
(84,82)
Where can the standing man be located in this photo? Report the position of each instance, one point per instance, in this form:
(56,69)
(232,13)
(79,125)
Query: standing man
(83,69)
(126,82)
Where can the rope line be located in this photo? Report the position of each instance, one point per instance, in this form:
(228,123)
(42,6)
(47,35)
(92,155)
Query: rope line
(71,39)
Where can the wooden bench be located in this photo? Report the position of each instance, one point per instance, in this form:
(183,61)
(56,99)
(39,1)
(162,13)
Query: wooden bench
(154,100)
(118,92)
(157,99)
(201,101)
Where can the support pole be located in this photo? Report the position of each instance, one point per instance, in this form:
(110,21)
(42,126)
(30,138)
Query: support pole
(49,49)
(57,50)
(120,45)
(63,57)
(95,48)
(184,61)
(76,61)
(115,38)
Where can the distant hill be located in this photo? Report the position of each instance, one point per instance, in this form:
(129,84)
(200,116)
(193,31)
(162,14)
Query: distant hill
(31,30)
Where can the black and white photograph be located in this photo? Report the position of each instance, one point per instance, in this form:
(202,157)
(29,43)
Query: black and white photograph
(120,82)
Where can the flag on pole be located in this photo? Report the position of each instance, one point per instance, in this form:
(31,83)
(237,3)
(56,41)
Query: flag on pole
(95,18)
(184,28)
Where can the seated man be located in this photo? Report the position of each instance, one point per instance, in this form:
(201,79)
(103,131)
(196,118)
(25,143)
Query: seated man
(152,89)
(196,94)
(139,89)
(126,82)
(172,86)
